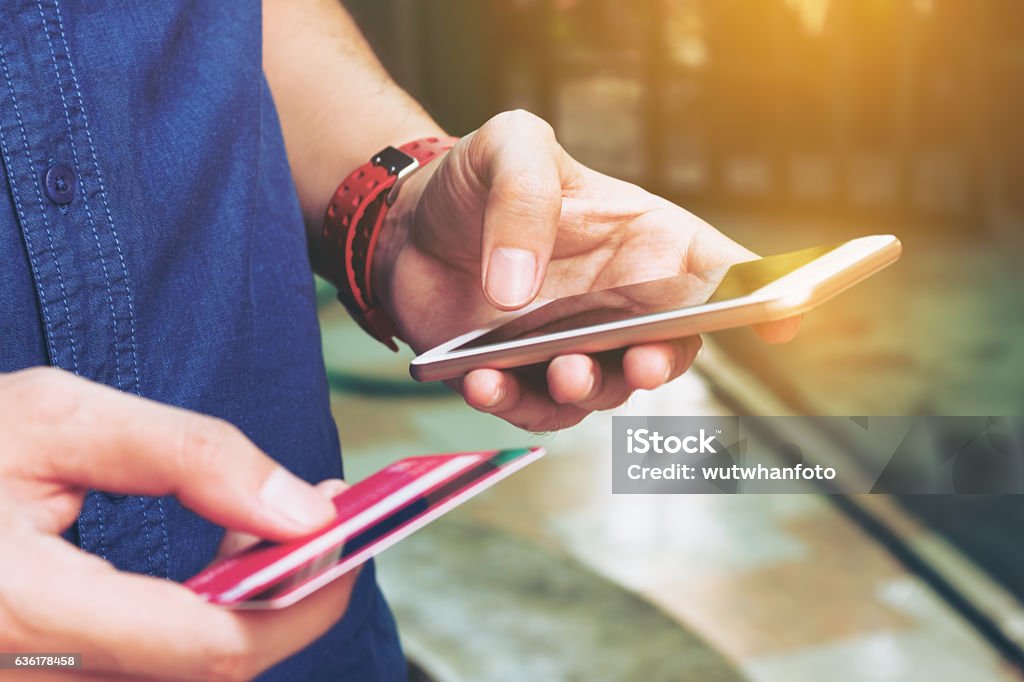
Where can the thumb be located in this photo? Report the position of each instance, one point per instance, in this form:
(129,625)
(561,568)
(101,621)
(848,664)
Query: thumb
(120,443)
(236,541)
(515,155)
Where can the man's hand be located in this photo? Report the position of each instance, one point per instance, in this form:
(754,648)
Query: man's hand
(63,435)
(508,215)
(504,216)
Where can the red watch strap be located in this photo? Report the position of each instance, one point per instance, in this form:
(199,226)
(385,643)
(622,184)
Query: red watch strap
(353,222)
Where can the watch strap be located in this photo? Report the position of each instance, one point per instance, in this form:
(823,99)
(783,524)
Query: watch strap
(353,223)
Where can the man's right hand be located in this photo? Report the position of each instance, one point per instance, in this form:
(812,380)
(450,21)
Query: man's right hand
(62,435)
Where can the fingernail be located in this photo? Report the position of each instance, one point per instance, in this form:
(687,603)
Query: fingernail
(295,502)
(330,487)
(510,276)
(591,387)
(496,397)
(669,367)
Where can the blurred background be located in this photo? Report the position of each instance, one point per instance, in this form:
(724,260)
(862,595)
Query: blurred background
(786,124)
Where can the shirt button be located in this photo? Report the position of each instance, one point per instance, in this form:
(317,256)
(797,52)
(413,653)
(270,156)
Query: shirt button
(61,183)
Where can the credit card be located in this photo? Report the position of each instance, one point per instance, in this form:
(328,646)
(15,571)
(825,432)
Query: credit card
(372,515)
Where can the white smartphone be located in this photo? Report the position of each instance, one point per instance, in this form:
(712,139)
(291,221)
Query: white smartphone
(761,290)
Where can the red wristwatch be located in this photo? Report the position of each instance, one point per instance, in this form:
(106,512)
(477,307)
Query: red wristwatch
(353,222)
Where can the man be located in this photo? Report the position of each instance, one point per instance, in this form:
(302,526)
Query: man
(152,244)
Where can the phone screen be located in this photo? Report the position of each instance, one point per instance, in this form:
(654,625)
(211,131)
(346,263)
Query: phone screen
(648,298)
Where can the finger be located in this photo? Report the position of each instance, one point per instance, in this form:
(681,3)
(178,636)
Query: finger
(289,630)
(587,382)
(88,435)
(708,249)
(331,487)
(653,364)
(516,156)
(154,627)
(508,396)
(235,541)
(780,331)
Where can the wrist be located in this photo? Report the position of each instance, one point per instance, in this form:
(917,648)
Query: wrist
(331,164)
(355,221)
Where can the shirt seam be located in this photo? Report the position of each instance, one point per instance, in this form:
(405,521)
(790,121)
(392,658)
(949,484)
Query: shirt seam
(84,192)
(103,199)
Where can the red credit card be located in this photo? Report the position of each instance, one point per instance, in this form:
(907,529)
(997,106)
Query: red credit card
(372,515)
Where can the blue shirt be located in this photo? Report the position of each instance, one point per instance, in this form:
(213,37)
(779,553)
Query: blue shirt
(151,240)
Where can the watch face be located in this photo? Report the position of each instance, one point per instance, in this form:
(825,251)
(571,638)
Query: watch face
(393,160)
